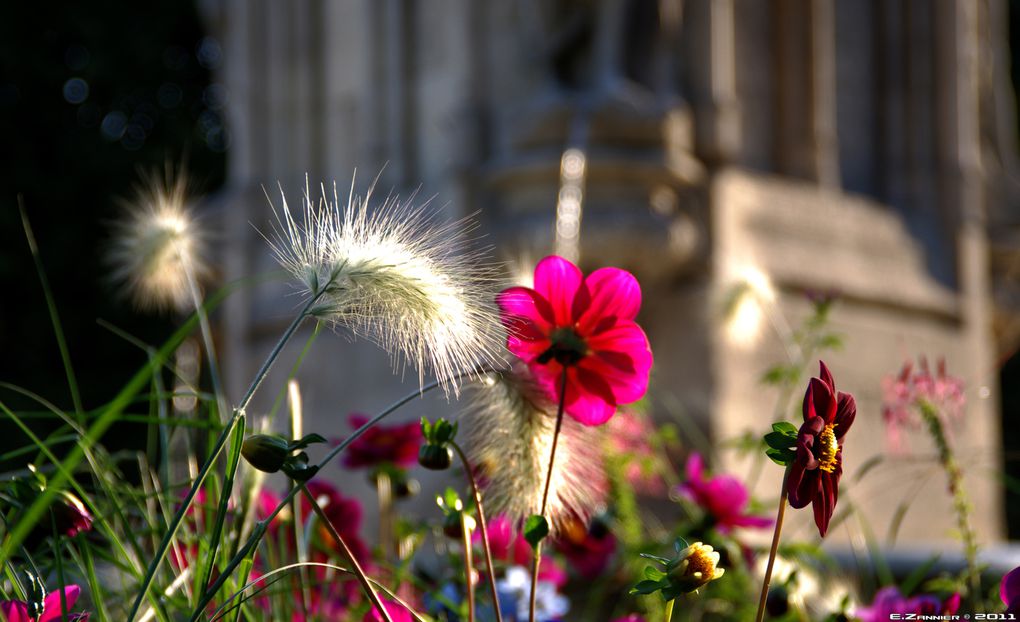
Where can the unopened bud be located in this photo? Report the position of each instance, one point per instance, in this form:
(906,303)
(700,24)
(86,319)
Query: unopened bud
(435,457)
(265,452)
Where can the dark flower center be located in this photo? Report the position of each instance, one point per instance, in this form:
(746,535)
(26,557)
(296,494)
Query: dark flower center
(828,448)
(568,348)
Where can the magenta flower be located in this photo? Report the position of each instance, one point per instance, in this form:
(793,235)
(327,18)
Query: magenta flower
(629,437)
(397,613)
(397,444)
(508,545)
(815,472)
(18,611)
(344,514)
(722,497)
(586,326)
(888,601)
(1009,591)
(587,549)
(905,392)
(631,618)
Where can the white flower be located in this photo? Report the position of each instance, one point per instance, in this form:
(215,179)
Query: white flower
(393,275)
(157,249)
(549,604)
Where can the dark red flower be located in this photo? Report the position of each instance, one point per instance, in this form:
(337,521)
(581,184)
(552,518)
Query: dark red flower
(815,472)
(587,548)
(583,324)
(380,444)
(344,514)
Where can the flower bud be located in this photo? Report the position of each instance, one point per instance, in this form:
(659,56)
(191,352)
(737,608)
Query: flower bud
(265,452)
(435,457)
(696,568)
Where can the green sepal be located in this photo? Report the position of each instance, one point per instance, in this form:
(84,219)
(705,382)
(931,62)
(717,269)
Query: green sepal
(536,528)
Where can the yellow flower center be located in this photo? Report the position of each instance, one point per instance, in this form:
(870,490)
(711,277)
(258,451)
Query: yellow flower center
(829,448)
(700,565)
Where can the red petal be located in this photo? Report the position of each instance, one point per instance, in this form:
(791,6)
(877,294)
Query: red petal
(527,304)
(826,375)
(819,401)
(607,292)
(557,280)
(803,485)
(846,412)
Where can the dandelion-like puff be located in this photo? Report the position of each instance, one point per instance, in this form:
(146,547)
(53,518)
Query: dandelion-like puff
(510,427)
(393,275)
(157,248)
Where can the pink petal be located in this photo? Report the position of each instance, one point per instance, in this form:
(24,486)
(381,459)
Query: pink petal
(527,304)
(557,280)
(588,408)
(622,358)
(527,349)
(14,611)
(607,292)
(695,467)
(51,604)
(727,495)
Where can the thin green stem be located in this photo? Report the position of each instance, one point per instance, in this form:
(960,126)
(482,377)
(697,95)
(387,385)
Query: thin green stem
(51,305)
(358,571)
(545,494)
(772,552)
(260,527)
(175,524)
(669,609)
(482,529)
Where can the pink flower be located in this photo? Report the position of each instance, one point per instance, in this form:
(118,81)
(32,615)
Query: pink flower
(586,326)
(397,613)
(628,435)
(344,514)
(723,497)
(397,444)
(888,601)
(631,618)
(905,392)
(508,545)
(587,549)
(18,611)
(1009,591)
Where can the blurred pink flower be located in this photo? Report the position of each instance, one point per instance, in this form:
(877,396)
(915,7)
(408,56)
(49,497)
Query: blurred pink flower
(508,545)
(1009,591)
(344,514)
(722,497)
(18,611)
(904,392)
(628,433)
(584,325)
(631,618)
(888,601)
(587,549)
(397,613)
(380,444)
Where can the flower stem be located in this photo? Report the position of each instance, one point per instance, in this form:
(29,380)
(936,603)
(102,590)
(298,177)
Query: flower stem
(384,493)
(469,568)
(930,414)
(175,523)
(482,529)
(358,571)
(669,609)
(772,552)
(545,494)
(260,526)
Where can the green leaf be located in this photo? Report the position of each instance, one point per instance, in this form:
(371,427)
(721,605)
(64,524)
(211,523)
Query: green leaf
(426,428)
(785,427)
(661,560)
(536,528)
(782,457)
(648,587)
(654,574)
(781,374)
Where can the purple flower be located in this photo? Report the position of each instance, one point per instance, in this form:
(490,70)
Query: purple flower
(888,601)
(1009,591)
(722,497)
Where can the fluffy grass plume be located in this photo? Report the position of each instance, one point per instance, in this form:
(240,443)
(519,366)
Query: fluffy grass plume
(156,252)
(392,274)
(510,428)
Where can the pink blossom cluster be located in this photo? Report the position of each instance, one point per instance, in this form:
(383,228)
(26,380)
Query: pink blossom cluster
(904,393)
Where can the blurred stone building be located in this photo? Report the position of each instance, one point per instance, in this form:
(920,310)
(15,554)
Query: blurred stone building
(833,145)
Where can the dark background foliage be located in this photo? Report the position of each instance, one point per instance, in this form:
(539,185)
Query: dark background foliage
(91,94)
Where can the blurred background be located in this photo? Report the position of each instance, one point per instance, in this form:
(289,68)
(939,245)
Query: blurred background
(859,149)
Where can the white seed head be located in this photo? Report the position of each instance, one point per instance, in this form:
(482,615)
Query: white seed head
(157,248)
(392,275)
(509,433)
